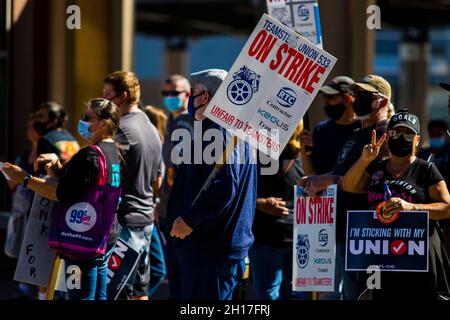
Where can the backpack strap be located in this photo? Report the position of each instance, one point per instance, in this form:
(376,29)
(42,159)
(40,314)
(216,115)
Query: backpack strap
(102,165)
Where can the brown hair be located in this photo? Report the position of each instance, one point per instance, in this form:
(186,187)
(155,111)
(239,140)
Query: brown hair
(106,110)
(158,118)
(123,81)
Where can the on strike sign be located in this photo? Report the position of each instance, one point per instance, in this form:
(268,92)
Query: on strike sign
(270,86)
(314,241)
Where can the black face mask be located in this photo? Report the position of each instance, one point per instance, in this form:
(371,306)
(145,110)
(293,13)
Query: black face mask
(40,127)
(400,147)
(363,103)
(335,112)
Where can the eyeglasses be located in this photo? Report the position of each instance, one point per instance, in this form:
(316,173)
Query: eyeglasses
(172,93)
(395,135)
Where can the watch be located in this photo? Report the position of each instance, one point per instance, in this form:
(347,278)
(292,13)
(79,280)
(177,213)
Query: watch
(26,180)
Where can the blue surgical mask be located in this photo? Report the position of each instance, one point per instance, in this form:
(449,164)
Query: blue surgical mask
(437,143)
(173,103)
(83,129)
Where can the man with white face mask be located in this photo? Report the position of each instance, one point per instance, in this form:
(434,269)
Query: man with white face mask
(372,98)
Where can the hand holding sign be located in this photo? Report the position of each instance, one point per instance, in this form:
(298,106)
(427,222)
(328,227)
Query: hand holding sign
(397,204)
(370,151)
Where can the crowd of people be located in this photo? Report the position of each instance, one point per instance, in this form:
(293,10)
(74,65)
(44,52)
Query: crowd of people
(197,223)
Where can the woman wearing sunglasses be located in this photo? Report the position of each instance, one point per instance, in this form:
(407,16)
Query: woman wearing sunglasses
(97,126)
(415,185)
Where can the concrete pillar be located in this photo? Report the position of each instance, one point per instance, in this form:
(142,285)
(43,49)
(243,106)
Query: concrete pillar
(176,56)
(415,53)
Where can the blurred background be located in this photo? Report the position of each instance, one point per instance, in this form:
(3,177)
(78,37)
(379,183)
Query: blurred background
(41,59)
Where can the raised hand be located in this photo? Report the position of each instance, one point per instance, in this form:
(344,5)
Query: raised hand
(370,151)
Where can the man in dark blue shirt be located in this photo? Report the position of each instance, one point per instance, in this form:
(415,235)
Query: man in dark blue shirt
(330,135)
(214,232)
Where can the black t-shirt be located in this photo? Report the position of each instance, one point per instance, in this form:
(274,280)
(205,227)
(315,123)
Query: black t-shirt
(411,186)
(349,154)
(271,230)
(82,171)
(329,137)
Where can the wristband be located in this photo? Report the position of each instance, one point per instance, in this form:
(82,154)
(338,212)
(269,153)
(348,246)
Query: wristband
(26,180)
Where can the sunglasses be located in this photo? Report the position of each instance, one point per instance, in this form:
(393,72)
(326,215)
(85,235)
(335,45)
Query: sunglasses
(86,118)
(407,136)
(367,95)
(172,93)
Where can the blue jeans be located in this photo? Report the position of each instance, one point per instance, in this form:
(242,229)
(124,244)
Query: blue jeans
(271,270)
(157,262)
(138,283)
(172,263)
(93,278)
(209,277)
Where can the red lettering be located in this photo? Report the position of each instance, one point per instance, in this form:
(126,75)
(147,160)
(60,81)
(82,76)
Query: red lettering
(292,70)
(311,210)
(279,56)
(291,53)
(262,45)
(315,78)
(257,43)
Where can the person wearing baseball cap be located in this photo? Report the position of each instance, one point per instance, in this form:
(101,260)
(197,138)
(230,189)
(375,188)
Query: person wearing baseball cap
(372,98)
(414,185)
(213,228)
(338,99)
(206,83)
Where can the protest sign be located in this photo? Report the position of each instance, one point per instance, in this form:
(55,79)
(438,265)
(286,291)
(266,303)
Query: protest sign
(36,258)
(314,241)
(121,264)
(300,15)
(400,246)
(270,86)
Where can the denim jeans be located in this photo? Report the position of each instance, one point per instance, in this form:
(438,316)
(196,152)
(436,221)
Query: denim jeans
(139,281)
(93,278)
(271,270)
(157,262)
(209,277)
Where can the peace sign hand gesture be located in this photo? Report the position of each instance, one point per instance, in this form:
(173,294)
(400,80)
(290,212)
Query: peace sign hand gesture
(370,151)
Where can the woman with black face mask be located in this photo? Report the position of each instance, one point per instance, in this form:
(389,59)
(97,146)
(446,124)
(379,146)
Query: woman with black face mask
(416,185)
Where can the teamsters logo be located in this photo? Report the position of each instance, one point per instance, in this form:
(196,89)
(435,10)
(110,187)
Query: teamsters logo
(302,250)
(81,217)
(245,84)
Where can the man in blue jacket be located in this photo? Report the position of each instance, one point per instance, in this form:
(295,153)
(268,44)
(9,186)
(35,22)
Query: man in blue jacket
(213,234)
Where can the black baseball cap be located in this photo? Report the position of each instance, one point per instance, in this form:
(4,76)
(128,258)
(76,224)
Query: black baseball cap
(405,119)
(338,85)
(445,86)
